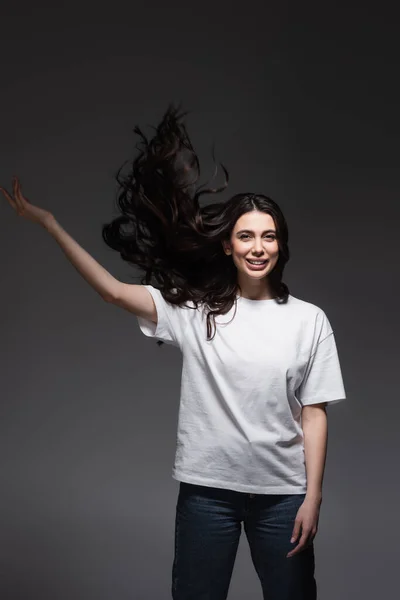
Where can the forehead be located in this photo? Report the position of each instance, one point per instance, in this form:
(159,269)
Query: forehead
(255,220)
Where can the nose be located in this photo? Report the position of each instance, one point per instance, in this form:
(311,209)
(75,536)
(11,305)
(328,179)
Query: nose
(257,247)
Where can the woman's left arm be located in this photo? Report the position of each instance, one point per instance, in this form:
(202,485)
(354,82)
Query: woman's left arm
(315,430)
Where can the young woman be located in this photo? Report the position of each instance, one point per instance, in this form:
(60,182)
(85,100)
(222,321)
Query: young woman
(259,365)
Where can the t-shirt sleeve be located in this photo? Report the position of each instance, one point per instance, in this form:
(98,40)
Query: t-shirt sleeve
(170,320)
(322,381)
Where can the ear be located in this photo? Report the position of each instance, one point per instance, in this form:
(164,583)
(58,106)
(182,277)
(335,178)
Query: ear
(226,247)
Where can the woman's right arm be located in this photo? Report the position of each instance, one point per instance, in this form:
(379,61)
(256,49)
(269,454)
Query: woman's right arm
(134,298)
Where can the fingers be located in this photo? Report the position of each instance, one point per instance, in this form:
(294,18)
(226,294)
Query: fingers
(304,541)
(17,195)
(296,530)
(9,198)
(18,201)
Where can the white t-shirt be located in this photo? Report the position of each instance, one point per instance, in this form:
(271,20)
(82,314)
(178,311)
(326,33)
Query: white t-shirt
(239,423)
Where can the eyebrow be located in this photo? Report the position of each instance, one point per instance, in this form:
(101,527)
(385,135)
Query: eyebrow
(250,231)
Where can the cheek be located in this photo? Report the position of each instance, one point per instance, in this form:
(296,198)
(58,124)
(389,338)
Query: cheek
(240,250)
(274,249)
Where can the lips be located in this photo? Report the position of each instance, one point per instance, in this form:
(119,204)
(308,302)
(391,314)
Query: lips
(259,267)
(263,262)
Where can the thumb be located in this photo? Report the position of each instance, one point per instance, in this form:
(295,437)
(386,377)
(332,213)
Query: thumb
(296,531)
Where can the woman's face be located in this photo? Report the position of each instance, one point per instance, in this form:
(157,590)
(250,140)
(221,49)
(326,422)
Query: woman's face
(254,238)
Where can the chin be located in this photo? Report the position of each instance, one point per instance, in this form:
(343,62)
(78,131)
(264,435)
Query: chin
(255,274)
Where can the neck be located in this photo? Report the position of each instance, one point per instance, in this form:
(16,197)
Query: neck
(255,289)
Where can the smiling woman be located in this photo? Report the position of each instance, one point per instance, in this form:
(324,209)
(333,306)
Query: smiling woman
(252,426)
(255,250)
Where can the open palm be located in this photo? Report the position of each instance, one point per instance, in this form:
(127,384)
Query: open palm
(22,205)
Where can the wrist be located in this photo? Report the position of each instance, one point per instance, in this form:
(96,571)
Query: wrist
(314,496)
(48,221)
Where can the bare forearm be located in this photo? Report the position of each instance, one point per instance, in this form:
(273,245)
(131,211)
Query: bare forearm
(315,432)
(98,277)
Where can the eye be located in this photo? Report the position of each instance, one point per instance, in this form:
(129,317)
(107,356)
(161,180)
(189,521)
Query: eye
(270,236)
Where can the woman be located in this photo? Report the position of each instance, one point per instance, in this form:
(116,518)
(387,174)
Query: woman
(259,365)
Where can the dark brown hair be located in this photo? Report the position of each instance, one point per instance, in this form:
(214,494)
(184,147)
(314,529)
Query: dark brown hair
(165,231)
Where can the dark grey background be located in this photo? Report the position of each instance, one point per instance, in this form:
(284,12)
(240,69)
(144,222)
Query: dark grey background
(302,102)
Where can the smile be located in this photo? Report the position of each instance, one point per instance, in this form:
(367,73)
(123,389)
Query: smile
(256,265)
(256,262)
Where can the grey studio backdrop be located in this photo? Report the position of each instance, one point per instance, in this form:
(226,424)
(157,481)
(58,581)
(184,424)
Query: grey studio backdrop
(302,105)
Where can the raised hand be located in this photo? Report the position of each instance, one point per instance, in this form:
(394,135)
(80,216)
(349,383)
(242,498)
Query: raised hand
(23,207)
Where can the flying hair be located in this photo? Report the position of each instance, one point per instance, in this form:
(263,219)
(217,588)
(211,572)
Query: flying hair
(165,232)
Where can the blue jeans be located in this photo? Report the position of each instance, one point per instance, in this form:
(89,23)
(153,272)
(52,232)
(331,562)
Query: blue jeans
(207,531)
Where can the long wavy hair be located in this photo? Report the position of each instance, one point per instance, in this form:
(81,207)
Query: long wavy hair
(165,231)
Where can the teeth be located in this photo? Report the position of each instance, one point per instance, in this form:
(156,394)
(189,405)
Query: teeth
(256,262)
